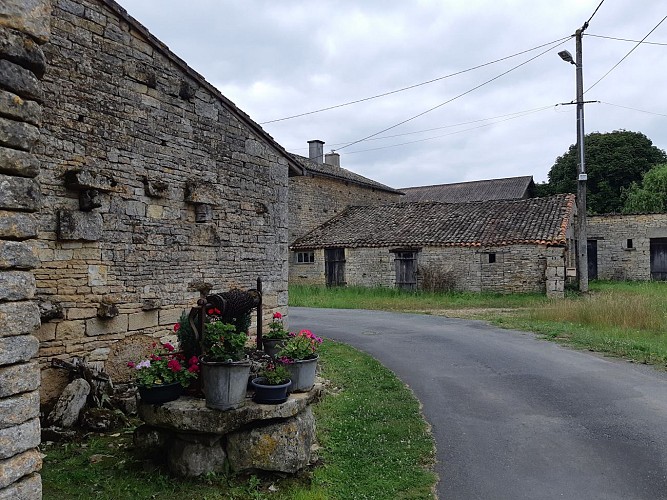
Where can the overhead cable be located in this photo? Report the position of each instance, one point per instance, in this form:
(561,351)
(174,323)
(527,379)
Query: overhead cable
(408,87)
(625,39)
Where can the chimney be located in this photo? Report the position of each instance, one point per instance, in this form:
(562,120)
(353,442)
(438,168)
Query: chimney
(332,159)
(316,151)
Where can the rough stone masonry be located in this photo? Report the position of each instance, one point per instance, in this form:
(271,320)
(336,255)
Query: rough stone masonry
(24,27)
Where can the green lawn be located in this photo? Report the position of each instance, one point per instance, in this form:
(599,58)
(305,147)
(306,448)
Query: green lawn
(375,445)
(626,319)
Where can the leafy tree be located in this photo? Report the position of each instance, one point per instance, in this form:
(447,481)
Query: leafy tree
(614,161)
(651,196)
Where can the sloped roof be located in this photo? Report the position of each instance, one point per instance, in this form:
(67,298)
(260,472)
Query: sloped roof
(500,222)
(294,167)
(510,188)
(340,173)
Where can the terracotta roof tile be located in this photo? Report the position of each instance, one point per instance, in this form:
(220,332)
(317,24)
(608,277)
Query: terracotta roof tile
(510,188)
(499,222)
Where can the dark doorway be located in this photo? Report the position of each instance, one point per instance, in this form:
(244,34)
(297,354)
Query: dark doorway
(659,259)
(406,270)
(334,263)
(592,259)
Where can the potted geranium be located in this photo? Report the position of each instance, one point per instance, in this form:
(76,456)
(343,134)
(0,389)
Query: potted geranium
(272,384)
(162,375)
(225,368)
(275,338)
(299,355)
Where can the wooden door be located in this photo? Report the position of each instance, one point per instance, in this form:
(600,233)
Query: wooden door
(406,270)
(659,259)
(592,259)
(334,263)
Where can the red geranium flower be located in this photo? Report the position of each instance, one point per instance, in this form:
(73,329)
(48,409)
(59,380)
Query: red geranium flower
(174,365)
(168,346)
(277,315)
(177,327)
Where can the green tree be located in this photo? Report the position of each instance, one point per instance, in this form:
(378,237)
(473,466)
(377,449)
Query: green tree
(614,161)
(651,196)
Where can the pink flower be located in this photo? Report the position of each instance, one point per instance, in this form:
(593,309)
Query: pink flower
(177,327)
(155,357)
(193,360)
(193,369)
(131,364)
(277,315)
(174,365)
(168,347)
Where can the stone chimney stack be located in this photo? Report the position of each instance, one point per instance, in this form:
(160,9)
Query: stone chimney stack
(332,159)
(316,151)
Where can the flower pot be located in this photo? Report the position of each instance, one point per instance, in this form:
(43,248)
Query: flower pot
(225,383)
(158,394)
(272,346)
(302,373)
(269,394)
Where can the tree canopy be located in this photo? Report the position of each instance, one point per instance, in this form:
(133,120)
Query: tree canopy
(651,195)
(614,160)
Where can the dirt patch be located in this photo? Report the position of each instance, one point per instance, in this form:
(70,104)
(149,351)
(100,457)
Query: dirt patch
(471,313)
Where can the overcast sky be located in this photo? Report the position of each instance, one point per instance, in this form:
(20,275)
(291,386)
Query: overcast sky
(275,59)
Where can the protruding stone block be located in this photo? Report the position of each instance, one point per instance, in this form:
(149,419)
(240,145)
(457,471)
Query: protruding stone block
(19,438)
(18,409)
(16,162)
(16,108)
(17,225)
(21,81)
(14,468)
(28,488)
(22,50)
(85,226)
(17,349)
(18,378)
(17,255)
(16,285)
(87,179)
(203,192)
(32,17)
(18,193)
(282,447)
(18,318)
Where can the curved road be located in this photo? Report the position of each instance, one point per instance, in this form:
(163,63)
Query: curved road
(516,417)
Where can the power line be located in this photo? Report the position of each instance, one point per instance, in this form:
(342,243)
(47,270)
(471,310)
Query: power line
(625,39)
(626,55)
(410,86)
(594,12)
(553,45)
(633,109)
(451,133)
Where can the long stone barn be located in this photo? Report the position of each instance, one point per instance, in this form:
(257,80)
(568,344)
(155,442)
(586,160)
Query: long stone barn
(155,188)
(506,246)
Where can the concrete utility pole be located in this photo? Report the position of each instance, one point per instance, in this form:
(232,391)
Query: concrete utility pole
(582,177)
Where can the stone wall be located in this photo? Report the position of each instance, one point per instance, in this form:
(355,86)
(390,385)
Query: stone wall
(157,188)
(615,259)
(315,200)
(516,269)
(24,27)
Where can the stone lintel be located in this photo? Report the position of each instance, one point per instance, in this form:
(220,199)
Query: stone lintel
(87,179)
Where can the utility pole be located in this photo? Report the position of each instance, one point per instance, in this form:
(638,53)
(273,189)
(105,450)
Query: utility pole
(582,238)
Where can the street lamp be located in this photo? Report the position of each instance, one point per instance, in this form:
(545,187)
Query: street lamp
(582,239)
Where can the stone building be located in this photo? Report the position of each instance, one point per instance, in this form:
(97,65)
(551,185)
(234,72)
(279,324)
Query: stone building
(325,189)
(627,247)
(24,28)
(155,188)
(497,246)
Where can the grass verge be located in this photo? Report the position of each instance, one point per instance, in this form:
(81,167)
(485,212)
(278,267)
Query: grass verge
(375,445)
(626,319)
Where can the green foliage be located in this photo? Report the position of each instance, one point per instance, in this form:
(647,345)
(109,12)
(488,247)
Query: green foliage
(274,374)
(651,196)
(223,342)
(276,329)
(186,337)
(614,161)
(165,366)
(302,345)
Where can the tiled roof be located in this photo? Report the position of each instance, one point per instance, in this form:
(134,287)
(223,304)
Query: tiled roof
(499,222)
(340,173)
(511,188)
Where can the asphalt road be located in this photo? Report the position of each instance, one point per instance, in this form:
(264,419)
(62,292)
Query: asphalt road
(516,417)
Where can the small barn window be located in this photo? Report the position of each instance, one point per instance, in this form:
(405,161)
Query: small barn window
(629,243)
(492,258)
(305,257)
